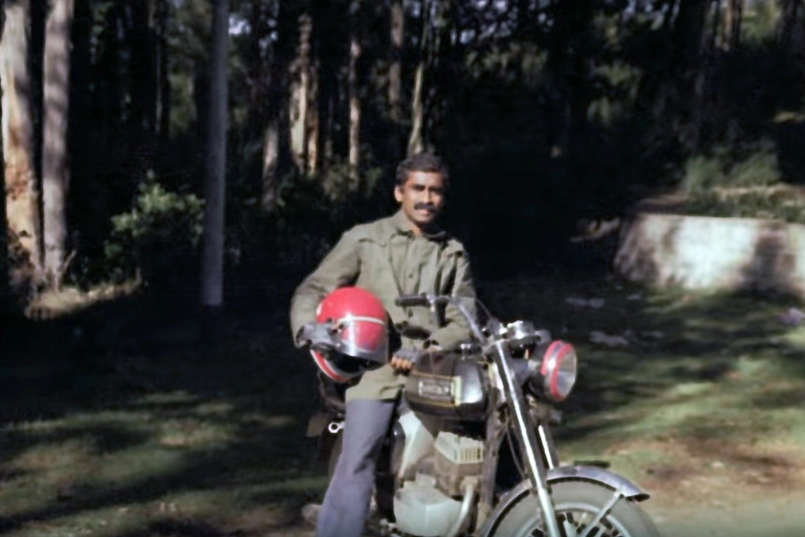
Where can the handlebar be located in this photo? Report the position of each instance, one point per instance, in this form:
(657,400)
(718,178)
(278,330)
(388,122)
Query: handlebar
(407,301)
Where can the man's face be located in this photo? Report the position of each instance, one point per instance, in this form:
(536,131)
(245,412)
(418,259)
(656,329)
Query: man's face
(421,197)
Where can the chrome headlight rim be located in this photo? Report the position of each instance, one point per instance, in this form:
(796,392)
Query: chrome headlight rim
(559,370)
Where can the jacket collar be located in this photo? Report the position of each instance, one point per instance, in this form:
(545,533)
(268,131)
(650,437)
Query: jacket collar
(402,226)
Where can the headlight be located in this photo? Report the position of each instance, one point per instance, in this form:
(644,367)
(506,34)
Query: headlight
(558,370)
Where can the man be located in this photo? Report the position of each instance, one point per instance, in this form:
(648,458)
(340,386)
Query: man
(406,253)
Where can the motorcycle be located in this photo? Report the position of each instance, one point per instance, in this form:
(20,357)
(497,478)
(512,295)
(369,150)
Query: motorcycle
(470,450)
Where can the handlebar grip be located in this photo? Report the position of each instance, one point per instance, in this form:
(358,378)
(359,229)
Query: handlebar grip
(411,300)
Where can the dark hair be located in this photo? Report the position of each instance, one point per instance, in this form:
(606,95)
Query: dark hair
(421,162)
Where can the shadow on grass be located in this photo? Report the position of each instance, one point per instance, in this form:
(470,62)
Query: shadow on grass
(259,457)
(139,355)
(666,339)
(171,527)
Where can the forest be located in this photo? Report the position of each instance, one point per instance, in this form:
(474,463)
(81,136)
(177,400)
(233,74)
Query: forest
(551,115)
(168,157)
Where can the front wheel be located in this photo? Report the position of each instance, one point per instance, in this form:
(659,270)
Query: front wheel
(581,509)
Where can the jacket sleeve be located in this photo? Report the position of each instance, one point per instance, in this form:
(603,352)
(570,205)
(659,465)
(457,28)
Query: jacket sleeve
(339,267)
(456,328)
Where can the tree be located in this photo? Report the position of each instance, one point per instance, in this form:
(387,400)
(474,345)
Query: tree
(212,260)
(397,32)
(22,197)
(55,165)
(353,90)
(300,92)
(4,294)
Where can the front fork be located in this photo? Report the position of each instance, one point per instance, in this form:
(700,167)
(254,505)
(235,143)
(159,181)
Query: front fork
(527,437)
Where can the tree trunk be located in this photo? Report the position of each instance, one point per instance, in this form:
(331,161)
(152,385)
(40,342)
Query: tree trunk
(790,8)
(5,296)
(736,8)
(21,192)
(276,144)
(55,165)
(212,261)
(163,70)
(395,75)
(439,65)
(416,140)
(312,120)
(300,92)
(354,92)
(689,64)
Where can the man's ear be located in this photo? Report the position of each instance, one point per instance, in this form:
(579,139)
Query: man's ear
(398,193)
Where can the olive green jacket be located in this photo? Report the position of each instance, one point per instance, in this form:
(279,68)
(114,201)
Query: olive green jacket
(376,257)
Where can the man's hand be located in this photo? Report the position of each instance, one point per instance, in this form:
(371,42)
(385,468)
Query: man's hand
(316,335)
(404,359)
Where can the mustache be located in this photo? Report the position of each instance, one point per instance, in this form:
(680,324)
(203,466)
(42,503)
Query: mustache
(424,206)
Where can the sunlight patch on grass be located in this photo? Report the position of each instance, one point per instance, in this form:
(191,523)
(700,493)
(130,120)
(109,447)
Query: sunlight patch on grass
(215,408)
(193,433)
(164,398)
(71,299)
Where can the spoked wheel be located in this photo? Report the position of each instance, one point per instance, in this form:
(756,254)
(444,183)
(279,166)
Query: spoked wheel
(582,510)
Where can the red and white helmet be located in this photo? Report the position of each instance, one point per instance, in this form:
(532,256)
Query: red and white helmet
(362,333)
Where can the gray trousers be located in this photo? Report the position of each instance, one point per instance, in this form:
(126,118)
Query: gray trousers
(346,502)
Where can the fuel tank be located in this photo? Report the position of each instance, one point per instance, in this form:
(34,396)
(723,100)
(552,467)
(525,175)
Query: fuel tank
(450,385)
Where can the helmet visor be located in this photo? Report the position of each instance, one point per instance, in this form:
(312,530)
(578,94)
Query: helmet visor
(364,338)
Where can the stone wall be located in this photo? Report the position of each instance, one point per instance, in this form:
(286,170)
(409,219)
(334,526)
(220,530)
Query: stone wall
(708,253)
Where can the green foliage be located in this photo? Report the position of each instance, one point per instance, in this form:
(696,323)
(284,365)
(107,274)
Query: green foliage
(743,182)
(754,166)
(766,202)
(159,237)
(761,21)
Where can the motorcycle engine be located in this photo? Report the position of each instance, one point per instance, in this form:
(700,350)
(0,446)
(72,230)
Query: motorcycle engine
(456,458)
(429,505)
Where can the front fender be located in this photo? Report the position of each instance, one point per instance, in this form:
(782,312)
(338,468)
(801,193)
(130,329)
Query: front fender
(591,474)
(601,476)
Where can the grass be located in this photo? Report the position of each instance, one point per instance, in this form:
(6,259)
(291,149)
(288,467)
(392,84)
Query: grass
(144,434)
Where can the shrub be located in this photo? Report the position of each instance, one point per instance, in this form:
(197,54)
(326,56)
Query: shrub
(755,165)
(158,238)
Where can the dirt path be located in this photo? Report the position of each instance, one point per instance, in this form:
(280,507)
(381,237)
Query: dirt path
(770,515)
(746,515)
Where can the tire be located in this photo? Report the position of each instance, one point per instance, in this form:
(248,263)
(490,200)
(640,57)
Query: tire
(626,519)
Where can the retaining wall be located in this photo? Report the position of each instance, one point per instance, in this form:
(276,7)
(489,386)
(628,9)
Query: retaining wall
(709,253)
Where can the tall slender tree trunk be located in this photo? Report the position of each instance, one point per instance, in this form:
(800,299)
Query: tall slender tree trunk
(21,189)
(312,157)
(416,139)
(689,63)
(790,8)
(276,143)
(397,17)
(736,20)
(212,260)
(354,91)
(55,165)
(5,297)
(163,60)
(300,93)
